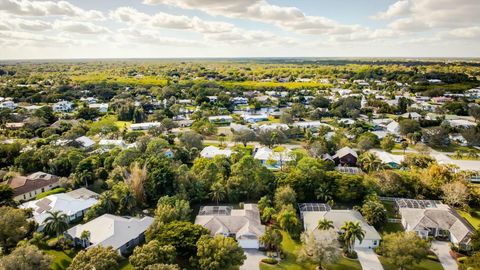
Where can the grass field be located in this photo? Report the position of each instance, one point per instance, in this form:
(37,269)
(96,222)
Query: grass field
(62,260)
(123,80)
(473,218)
(290,247)
(423,265)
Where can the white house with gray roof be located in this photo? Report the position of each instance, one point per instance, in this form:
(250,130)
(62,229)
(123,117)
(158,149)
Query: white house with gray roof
(433,218)
(121,233)
(312,213)
(74,204)
(242,224)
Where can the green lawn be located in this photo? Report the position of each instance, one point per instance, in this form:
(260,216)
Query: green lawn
(125,265)
(290,247)
(423,265)
(391,228)
(473,218)
(62,260)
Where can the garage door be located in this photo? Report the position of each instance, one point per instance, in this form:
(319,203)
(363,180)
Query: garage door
(248,243)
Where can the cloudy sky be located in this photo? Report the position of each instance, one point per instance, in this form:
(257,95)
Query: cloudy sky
(44,29)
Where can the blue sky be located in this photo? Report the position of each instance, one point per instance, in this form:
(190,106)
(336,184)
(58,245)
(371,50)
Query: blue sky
(39,29)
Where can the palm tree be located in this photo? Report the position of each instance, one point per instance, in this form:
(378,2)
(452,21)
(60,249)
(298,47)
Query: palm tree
(56,223)
(271,239)
(287,219)
(404,146)
(352,231)
(85,237)
(472,153)
(324,193)
(325,224)
(218,192)
(108,202)
(268,213)
(127,202)
(370,162)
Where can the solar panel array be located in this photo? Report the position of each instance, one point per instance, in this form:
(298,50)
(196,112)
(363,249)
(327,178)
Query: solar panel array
(314,207)
(215,211)
(418,204)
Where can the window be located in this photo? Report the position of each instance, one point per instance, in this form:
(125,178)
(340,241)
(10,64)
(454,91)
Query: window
(43,189)
(374,242)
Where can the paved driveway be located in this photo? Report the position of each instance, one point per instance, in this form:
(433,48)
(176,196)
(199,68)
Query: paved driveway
(442,250)
(368,259)
(253,259)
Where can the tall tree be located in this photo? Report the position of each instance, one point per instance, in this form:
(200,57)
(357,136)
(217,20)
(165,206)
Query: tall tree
(321,249)
(287,218)
(325,224)
(98,258)
(26,257)
(404,249)
(13,226)
(272,239)
(217,192)
(138,177)
(352,231)
(152,253)
(56,223)
(219,253)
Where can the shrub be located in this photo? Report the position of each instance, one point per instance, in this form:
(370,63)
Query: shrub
(50,192)
(432,257)
(269,261)
(461,259)
(351,255)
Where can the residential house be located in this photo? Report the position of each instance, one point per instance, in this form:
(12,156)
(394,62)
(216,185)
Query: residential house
(85,142)
(345,156)
(74,204)
(9,104)
(412,115)
(433,218)
(393,128)
(460,123)
(101,107)
(212,151)
(312,213)
(220,119)
(394,161)
(242,224)
(63,106)
(254,118)
(27,187)
(123,234)
(273,159)
(145,126)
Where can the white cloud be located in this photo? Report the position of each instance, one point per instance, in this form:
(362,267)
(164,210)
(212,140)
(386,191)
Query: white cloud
(463,33)
(165,20)
(399,8)
(80,27)
(152,37)
(47,8)
(290,18)
(420,15)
